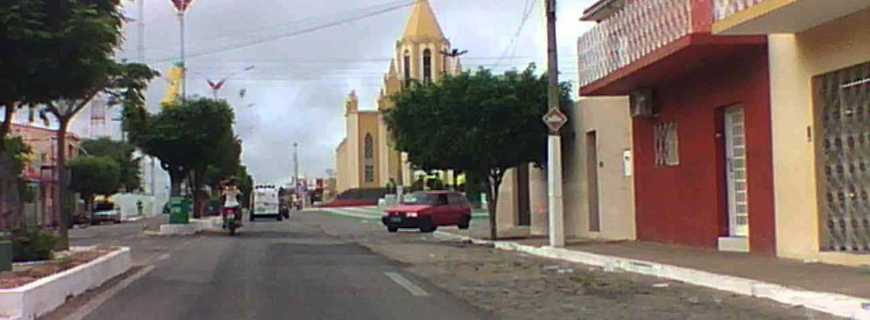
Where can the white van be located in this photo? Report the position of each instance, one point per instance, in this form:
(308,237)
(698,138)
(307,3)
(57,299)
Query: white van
(266,202)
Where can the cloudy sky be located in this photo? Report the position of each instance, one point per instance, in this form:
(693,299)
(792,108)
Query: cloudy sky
(308,55)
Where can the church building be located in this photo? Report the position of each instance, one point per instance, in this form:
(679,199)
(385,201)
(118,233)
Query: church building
(366,158)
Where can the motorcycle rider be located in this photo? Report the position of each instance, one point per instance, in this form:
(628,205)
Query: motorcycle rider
(231,194)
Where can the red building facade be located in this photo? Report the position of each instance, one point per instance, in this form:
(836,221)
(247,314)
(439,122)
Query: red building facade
(701,125)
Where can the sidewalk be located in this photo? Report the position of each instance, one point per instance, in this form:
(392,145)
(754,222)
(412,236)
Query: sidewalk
(375,213)
(842,291)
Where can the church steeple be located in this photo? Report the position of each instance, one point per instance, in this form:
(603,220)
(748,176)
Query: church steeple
(422,25)
(352,103)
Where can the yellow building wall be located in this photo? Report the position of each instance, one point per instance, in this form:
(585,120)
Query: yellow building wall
(342,177)
(368,124)
(794,61)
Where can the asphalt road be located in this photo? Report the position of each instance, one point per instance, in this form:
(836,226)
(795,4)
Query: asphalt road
(272,270)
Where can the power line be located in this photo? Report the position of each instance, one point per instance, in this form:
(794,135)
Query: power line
(231,35)
(528,8)
(255,42)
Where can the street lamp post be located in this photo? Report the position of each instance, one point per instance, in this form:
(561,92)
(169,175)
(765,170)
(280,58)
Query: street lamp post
(181,6)
(295,165)
(182,57)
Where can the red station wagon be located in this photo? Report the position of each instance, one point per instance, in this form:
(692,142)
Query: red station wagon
(429,210)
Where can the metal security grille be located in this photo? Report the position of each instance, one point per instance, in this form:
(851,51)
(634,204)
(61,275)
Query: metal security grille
(666,144)
(844,97)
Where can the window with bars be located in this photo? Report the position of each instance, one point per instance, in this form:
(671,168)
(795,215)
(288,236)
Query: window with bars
(369,146)
(427,66)
(406,68)
(666,144)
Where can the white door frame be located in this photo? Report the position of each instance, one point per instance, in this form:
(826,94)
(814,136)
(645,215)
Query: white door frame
(736,171)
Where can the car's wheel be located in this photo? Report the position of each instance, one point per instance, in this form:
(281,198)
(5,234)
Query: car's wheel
(466,222)
(427,226)
(252,217)
(392,229)
(280,217)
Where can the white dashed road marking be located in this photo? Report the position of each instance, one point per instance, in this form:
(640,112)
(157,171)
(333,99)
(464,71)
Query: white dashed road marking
(407,284)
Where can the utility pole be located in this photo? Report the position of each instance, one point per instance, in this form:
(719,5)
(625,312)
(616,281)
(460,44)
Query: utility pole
(183,62)
(295,165)
(555,119)
(140,48)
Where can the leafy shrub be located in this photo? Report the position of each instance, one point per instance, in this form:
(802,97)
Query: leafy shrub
(32,244)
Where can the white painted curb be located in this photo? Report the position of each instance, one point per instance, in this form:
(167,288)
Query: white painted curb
(195,226)
(44,295)
(831,303)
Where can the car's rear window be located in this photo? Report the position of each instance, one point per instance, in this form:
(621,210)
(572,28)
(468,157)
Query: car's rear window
(457,199)
(418,198)
(104,206)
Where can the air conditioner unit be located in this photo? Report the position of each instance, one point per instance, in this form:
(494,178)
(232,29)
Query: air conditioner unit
(642,103)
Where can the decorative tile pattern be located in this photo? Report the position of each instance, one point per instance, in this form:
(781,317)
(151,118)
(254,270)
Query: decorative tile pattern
(638,29)
(726,8)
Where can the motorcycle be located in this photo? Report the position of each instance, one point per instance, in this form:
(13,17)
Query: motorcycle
(232,219)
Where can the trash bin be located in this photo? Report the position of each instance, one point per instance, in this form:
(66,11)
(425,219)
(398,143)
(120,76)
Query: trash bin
(179,210)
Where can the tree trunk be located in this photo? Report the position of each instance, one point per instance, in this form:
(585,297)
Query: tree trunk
(492,193)
(60,170)
(196,180)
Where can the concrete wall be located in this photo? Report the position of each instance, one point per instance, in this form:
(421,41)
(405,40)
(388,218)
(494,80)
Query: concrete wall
(686,204)
(609,118)
(539,201)
(794,61)
(506,210)
(341,182)
(128,205)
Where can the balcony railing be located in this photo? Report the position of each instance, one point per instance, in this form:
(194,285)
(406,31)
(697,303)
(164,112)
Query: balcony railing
(635,31)
(726,8)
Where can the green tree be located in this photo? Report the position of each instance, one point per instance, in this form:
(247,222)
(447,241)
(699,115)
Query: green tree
(22,29)
(18,151)
(476,122)
(222,165)
(12,187)
(246,185)
(185,136)
(71,44)
(94,175)
(124,154)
